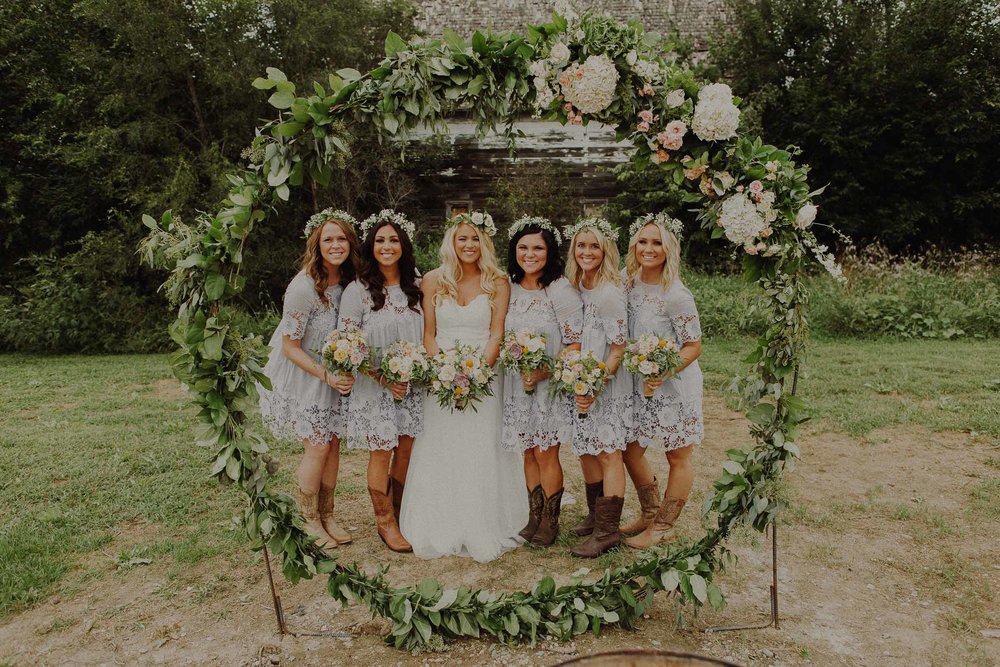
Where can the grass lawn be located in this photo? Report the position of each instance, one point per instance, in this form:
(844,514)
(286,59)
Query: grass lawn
(94,446)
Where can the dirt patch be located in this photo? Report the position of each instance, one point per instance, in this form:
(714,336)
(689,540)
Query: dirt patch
(884,560)
(167,389)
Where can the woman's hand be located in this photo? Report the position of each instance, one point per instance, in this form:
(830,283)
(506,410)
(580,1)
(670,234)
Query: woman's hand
(532,378)
(342,382)
(584,403)
(652,384)
(398,389)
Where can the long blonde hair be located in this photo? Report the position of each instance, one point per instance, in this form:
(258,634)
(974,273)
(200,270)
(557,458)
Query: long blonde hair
(608,273)
(312,260)
(672,248)
(451,266)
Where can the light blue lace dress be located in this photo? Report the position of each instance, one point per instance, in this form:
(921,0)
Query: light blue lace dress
(374,419)
(301,406)
(540,419)
(609,422)
(672,418)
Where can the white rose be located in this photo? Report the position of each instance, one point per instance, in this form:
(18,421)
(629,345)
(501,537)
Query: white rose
(675,98)
(567,377)
(539,69)
(446,374)
(559,53)
(805,216)
(648,367)
(631,57)
(477,218)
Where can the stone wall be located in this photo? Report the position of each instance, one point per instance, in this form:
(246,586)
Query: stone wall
(692,18)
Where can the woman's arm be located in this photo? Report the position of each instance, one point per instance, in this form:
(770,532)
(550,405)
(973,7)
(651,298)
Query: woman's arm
(429,286)
(501,300)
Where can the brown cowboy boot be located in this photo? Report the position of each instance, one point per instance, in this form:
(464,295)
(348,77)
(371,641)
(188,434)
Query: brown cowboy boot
(308,504)
(548,527)
(396,489)
(331,527)
(661,529)
(649,502)
(388,529)
(536,500)
(606,534)
(586,527)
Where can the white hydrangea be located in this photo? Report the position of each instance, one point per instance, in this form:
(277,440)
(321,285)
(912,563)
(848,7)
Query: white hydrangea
(590,87)
(740,219)
(648,70)
(715,115)
(539,69)
(675,98)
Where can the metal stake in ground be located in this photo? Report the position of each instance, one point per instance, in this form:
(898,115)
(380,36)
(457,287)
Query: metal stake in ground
(774,591)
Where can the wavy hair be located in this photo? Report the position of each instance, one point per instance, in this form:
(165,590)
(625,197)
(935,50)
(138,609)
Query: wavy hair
(672,248)
(451,265)
(607,273)
(372,278)
(554,264)
(312,260)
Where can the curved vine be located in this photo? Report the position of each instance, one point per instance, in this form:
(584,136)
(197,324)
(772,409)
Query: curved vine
(574,69)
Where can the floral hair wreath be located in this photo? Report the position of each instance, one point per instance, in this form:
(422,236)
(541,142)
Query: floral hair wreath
(672,224)
(325,216)
(478,219)
(534,221)
(605,227)
(387,215)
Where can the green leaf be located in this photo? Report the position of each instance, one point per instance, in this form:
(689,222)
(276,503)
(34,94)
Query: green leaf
(349,74)
(289,129)
(447,598)
(150,221)
(212,347)
(699,587)
(669,579)
(393,44)
(390,123)
(215,286)
(261,83)
(454,40)
(275,74)
(281,100)
(479,42)
(545,588)
(761,414)
(476,85)
(715,597)
(428,589)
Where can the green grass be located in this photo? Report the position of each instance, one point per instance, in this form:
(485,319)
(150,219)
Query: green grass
(96,453)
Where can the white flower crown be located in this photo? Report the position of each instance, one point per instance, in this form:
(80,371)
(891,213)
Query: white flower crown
(324,216)
(478,219)
(533,221)
(672,224)
(388,215)
(605,227)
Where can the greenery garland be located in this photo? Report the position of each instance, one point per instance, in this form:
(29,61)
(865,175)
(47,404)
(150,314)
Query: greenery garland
(574,69)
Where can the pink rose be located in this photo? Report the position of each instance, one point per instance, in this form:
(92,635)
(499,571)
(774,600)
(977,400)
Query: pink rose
(694,173)
(676,128)
(568,107)
(673,144)
(647,90)
(662,137)
(750,249)
(576,120)
(756,187)
(643,126)
(646,115)
(663,155)
(767,231)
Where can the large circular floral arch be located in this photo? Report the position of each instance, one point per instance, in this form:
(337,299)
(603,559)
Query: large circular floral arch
(574,69)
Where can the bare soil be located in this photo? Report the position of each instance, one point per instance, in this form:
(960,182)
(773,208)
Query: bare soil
(884,559)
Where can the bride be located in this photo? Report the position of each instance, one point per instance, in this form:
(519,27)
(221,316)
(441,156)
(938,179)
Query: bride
(465,495)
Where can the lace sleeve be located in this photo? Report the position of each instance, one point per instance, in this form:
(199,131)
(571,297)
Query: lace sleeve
(352,309)
(683,315)
(568,306)
(298,308)
(612,310)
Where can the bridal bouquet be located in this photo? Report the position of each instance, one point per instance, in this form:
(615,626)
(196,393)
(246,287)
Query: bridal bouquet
(459,377)
(405,362)
(524,351)
(650,356)
(345,351)
(578,373)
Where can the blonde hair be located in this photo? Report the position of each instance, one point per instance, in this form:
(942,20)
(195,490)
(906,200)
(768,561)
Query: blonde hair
(608,273)
(312,260)
(672,248)
(451,266)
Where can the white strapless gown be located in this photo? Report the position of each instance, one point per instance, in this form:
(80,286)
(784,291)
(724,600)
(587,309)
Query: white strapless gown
(465,495)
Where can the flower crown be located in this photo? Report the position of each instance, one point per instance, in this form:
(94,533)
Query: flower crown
(325,216)
(605,227)
(672,224)
(478,219)
(384,216)
(533,221)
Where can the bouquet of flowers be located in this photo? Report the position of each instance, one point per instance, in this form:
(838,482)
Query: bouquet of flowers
(524,351)
(405,362)
(650,356)
(345,351)
(459,377)
(578,373)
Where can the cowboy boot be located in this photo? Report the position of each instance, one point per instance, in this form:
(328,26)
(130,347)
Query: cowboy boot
(586,527)
(649,502)
(388,529)
(548,527)
(661,529)
(536,500)
(606,534)
(396,489)
(326,502)
(308,504)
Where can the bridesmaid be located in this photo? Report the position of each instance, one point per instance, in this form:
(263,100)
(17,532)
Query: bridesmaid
(302,404)
(600,439)
(543,301)
(384,303)
(670,421)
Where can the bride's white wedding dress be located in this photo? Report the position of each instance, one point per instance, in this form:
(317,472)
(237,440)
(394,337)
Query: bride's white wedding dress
(465,495)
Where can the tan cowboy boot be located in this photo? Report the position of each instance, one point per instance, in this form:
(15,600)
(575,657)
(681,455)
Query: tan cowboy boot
(661,529)
(388,529)
(308,504)
(649,502)
(536,500)
(326,502)
(396,489)
(548,527)
(606,536)
(586,527)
